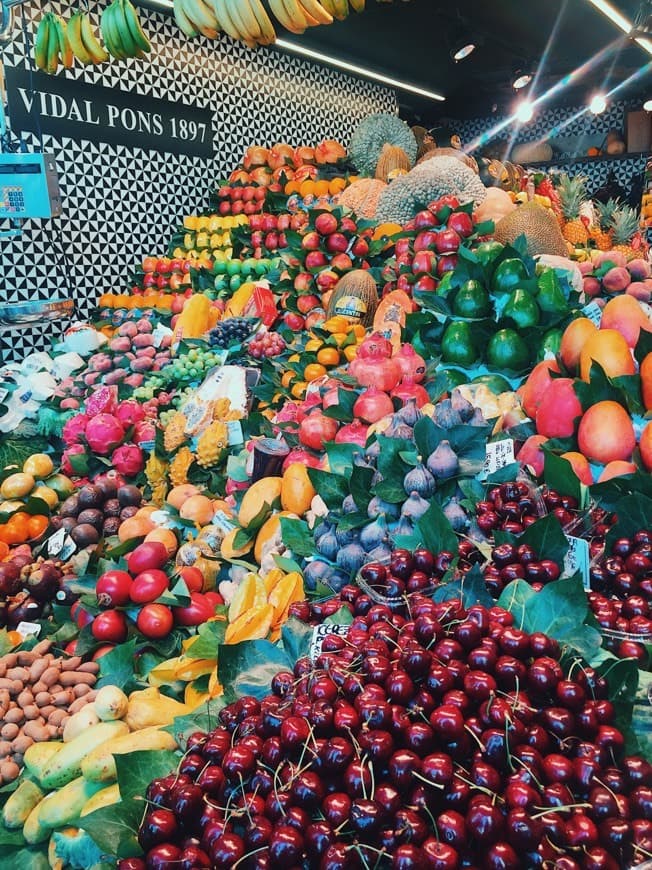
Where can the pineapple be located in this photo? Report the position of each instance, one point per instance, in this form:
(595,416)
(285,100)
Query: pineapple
(212,444)
(601,232)
(625,225)
(572,193)
(180,465)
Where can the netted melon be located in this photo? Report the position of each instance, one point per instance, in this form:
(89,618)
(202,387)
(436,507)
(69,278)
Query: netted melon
(538,225)
(355,297)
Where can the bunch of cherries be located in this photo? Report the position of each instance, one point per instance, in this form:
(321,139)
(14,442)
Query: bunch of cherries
(439,738)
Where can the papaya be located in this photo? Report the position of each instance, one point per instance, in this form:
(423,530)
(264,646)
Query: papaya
(105,797)
(38,755)
(99,765)
(65,766)
(263,492)
(21,803)
(253,624)
(269,530)
(229,551)
(67,803)
(297,492)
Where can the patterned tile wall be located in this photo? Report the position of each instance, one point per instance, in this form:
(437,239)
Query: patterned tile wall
(121,203)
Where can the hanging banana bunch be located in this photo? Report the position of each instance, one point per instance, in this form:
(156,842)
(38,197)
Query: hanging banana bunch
(52,46)
(121,31)
(84,43)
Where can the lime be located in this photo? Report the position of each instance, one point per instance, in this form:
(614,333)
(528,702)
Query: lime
(219,267)
(455,378)
(487,251)
(233,267)
(522,309)
(249,267)
(457,345)
(496,383)
(262,267)
(472,300)
(235,283)
(508,275)
(507,350)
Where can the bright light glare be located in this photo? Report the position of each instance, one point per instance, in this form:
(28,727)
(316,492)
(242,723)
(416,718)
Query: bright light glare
(358,70)
(524,112)
(621,21)
(522,81)
(464,51)
(598,104)
(647,105)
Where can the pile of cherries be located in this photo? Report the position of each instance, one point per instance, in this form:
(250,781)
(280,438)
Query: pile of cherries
(621,600)
(440,738)
(513,506)
(518,561)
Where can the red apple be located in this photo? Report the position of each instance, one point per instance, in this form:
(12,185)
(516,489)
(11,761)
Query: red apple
(425,219)
(307,302)
(269,223)
(446,264)
(250,207)
(326,223)
(257,238)
(224,207)
(311,241)
(149,280)
(248,194)
(303,282)
(283,222)
(348,225)
(327,279)
(448,242)
(294,321)
(462,223)
(337,243)
(403,246)
(425,241)
(425,282)
(298,221)
(260,193)
(237,207)
(179,300)
(360,248)
(316,259)
(282,240)
(224,192)
(424,261)
(271,241)
(403,283)
(342,262)
(236,193)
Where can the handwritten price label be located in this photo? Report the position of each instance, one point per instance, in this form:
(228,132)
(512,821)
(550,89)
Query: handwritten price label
(577,560)
(323,631)
(499,454)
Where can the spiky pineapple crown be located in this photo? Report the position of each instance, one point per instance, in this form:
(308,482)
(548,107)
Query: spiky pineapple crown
(572,193)
(625,224)
(606,211)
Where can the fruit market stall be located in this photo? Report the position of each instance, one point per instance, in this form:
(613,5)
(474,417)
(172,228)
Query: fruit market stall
(327,540)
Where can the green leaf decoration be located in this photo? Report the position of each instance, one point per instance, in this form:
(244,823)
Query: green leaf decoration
(360,485)
(343,410)
(559,475)
(435,531)
(295,638)
(115,828)
(343,616)
(209,637)
(297,536)
(117,667)
(332,488)
(546,538)
(203,718)
(634,513)
(470,589)
(247,668)
(340,457)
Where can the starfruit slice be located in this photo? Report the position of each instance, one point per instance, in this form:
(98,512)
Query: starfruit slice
(253,624)
(285,593)
(272,579)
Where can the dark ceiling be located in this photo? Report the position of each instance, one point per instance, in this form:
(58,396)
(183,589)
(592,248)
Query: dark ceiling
(411,41)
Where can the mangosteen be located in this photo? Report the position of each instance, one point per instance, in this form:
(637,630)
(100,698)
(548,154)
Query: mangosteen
(56,523)
(129,495)
(44,583)
(68,523)
(93,516)
(10,580)
(23,608)
(129,511)
(70,507)
(111,526)
(108,486)
(85,535)
(112,508)
(90,496)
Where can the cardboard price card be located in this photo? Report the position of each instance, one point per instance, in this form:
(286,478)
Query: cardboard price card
(577,560)
(322,631)
(499,455)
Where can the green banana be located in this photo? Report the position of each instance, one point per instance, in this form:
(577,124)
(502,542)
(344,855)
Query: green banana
(65,51)
(70,801)
(91,43)
(53,47)
(110,33)
(224,19)
(75,39)
(133,22)
(21,803)
(125,39)
(33,831)
(184,24)
(41,43)
(203,17)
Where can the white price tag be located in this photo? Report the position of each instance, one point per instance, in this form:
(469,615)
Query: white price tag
(223,523)
(577,559)
(27,628)
(593,312)
(160,332)
(234,429)
(499,454)
(322,631)
(56,542)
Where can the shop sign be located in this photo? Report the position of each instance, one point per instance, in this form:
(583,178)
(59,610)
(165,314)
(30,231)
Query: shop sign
(67,107)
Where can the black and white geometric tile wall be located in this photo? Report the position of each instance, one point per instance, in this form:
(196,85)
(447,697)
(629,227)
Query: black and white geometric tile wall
(119,202)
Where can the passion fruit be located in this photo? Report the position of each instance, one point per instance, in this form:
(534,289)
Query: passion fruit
(112,507)
(70,507)
(90,496)
(129,496)
(84,535)
(93,516)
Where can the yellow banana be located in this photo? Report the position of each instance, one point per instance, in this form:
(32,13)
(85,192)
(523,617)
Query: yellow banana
(224,19)
(294,14)
(341,9)
(268,34)
(41,43)
(357,5)
(65,51)
(316,10)
(75,39)
(91,43)
(244,18)
(133,23)
(280,12)
(202,16)
(184,24)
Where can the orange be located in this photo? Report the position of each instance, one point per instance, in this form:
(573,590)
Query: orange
(328,356)
(198,508)
(645,372)
(336,185)
(580,466)
(314,344)
(608,348)
(573,340)
(616,469)
(135,527)
(307,188)
(165,537)
(624,314)
(36,525)
(178,495)
(351,352)
(645,446)
(287,379)
(292,187)
(314,371)
(4,550)
(299,389)
(606,433)
(358,330)
(321,188)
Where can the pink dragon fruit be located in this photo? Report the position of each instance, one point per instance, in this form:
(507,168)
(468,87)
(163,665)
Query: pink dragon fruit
(129,413)
(144,432)
(74,429)
(128,459)
(103,401)
(104,433)
(73,450)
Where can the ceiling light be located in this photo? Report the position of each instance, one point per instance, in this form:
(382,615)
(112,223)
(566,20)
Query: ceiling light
(621,21)
(647,106)
(462,50)
(524,112)
(598,104)
(522,80)
(358,70)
